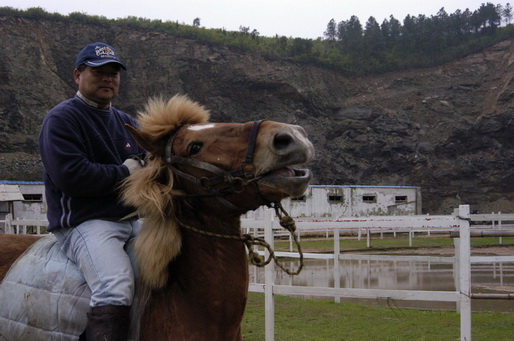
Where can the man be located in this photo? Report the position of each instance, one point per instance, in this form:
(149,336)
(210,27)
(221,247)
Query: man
(86,153)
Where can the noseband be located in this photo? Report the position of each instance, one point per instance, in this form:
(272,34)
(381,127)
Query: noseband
(235,180)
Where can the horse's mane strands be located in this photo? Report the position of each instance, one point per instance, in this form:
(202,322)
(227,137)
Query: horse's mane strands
(150,189)
(160,117)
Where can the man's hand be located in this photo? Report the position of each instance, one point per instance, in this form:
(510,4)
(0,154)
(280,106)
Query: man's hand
(133,165)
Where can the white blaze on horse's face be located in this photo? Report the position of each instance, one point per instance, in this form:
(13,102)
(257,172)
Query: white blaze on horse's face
(200,127)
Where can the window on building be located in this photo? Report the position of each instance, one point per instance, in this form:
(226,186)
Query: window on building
(370,199)
(302,198)
(32,197)
(400,199)
(335,198)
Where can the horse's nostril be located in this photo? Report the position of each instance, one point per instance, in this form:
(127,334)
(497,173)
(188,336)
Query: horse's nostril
(282,141)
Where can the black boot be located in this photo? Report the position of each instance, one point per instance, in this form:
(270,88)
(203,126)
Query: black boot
(108,323)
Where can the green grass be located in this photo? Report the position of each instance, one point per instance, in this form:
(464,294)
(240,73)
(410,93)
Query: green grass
(313,320)
(327,245)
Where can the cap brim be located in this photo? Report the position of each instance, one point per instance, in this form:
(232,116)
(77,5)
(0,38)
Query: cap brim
(103,62)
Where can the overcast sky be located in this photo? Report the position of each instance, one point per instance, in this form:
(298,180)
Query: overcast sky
(290,18)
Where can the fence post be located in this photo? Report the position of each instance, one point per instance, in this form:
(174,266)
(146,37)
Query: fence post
(269,274)
(337,275)
(8,226)
(464,273)
(500,240)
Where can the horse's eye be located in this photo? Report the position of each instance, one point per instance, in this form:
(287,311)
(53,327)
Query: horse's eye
(195,147)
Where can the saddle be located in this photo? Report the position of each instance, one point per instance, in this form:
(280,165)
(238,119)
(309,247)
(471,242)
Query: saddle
(45,297)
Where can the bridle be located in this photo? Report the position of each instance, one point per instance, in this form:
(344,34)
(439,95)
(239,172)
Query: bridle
(234,180)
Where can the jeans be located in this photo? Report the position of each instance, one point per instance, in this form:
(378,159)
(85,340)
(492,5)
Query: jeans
(98,248)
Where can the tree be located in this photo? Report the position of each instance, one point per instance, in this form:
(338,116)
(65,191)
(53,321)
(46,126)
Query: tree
(409,34)
(391,30)
(373,40)
(331,32)
(507,13)
(301,47)
(244,29)
(488,18)
(350,34)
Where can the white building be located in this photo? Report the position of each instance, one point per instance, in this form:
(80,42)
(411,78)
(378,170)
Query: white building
(28,203)
(318,201)
(352,201)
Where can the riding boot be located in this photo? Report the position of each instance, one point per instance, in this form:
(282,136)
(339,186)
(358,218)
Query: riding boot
(108,323)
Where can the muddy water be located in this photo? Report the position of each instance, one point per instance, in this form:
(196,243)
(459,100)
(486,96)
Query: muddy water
(401,272)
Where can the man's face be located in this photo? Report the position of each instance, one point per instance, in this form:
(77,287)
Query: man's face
(99,84)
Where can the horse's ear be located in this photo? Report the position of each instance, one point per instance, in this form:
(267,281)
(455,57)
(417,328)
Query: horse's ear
(146,141)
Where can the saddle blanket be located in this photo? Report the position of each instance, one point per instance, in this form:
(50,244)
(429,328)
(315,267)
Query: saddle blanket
(44,296)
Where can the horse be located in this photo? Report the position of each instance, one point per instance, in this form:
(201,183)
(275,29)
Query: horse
(199,178)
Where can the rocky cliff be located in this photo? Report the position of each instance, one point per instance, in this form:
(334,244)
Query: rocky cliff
(448,129)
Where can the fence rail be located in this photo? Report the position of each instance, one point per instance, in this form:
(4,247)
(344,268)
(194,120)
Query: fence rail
(21,226)
(373,225)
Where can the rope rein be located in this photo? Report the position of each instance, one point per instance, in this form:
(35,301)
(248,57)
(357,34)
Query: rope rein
(250,241)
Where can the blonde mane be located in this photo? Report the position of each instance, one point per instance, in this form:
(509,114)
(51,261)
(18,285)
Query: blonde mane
(150,189)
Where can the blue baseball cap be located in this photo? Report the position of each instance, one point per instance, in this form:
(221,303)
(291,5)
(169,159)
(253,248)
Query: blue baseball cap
(98,54)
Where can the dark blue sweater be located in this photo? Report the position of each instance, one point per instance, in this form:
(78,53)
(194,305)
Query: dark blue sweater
(82,149)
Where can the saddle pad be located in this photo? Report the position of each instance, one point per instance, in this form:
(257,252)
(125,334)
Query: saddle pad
(43,296)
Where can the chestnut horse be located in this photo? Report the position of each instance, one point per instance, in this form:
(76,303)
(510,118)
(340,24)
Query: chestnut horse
(199,179)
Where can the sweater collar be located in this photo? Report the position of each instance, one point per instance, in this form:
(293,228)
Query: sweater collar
(89,102)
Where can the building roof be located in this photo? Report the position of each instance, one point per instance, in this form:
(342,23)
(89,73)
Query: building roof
(17,182)
(10,193)
(361,186)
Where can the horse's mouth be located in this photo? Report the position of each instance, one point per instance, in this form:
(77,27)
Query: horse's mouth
(291,180)
(288,172)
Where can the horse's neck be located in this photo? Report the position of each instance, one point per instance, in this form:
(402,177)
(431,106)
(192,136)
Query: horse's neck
(206,293)
(212,255)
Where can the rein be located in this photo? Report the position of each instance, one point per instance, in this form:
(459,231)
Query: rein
(250,241)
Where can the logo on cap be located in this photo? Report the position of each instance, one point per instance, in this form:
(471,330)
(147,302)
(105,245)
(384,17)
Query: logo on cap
(105,52)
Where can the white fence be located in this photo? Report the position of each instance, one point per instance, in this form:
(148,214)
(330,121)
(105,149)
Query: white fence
(459,222)
(384,224)
(21,226)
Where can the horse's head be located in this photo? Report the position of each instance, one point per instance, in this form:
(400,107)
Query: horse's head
(212,169)
(224,160)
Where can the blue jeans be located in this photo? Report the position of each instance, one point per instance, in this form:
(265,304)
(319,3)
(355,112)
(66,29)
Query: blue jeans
(98,248)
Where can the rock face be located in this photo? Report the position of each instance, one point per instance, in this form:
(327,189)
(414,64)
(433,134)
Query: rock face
(448,129)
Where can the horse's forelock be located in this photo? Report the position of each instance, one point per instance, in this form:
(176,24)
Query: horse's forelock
(161,117)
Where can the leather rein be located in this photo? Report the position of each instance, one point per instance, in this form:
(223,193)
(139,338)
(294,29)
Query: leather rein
(235,181)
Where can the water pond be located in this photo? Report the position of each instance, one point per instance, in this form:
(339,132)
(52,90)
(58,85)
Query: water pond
(400,272)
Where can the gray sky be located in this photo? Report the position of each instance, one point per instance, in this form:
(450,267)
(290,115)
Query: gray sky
(290,18)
